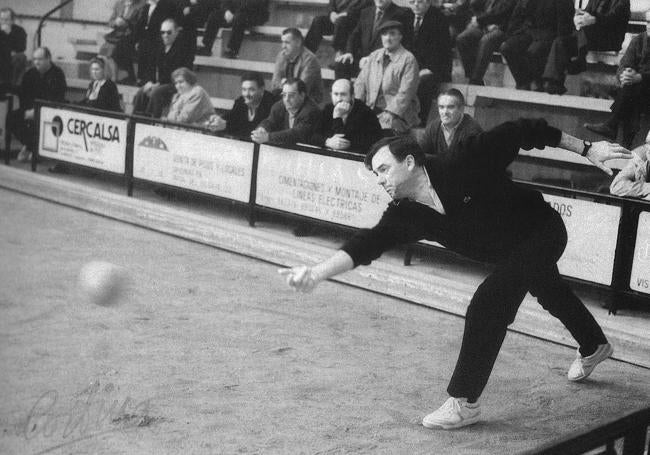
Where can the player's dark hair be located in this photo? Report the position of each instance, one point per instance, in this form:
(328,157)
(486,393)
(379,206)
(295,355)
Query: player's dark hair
(400,147)
(254,77)
(300,84)
(297,34)
(454,93)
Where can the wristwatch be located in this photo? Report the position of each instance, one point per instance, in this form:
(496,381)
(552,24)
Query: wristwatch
(587,146)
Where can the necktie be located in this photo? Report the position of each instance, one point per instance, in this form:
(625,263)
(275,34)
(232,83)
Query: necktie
(385,61)
(418,24)
(378,17)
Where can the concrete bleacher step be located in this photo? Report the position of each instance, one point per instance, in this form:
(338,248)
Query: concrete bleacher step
(296,13)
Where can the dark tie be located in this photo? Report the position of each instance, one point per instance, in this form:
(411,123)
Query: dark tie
(385,61)
(418,24)
(378,16)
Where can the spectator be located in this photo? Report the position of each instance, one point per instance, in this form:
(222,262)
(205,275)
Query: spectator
(191,104)
(443,135)
(147,35)
(600,26)
(343,17)
(195,16)
(158,90)
(432,49)
(253,106)
(298,62)
(388,82)
(634,178)
(482,37)
(238,14)
(633,96)
(533,26)
(347,123)
(17,40)
(102,92)
(365,37)
(121,38)
(292,119)
(458,13)
(5,66)
(44,81)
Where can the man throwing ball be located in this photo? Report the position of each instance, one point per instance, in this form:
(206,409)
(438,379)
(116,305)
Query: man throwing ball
(466,202)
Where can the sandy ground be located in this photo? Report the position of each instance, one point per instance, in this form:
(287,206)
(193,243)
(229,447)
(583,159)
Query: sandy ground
(208,352)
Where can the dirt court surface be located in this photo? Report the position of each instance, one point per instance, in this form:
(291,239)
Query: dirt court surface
(209,352)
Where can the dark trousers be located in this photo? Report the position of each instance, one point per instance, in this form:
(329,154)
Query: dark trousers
(476,47)
(241,21)
(153,103)
(631,101)
(321,25)
(24,130)
(530,267)
(559,57)
(526,57)
(146,55)
(427,90)
(124,56)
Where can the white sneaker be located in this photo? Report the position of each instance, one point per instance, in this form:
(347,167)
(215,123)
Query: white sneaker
(583,366)
(24,155)
(455,413)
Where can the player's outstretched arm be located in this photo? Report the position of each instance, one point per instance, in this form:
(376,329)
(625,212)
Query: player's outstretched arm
(598,153)
(305,279)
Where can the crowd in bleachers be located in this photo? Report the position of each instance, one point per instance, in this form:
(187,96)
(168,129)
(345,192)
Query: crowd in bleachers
(389,63)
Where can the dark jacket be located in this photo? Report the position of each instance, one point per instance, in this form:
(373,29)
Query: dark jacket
(237,123)
(486,213)
(363,40)
(257,11)
(352,7)
(16,38)
(498,14)
(542,19)
(433,140)
(305,123)
(50,86)
(361,127)
(167,62)
(149,29)
(432,46)
(608,33)
(107,99)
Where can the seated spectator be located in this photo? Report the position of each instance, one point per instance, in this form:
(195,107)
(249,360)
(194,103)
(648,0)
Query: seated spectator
(238,14)
(6,75)
(17,40)
(365,37)
(343,17)
(121,38)
(533,27)
(388,82)
(147,35)
(191,104)
(292,119)
(432,49)
(297,62)
(443,135)
(601,26)
(102,92)
(347,123)
(634,178)
(458,13)
(44,81)
(157,91)
(633,96)
(253,106)
(482,37)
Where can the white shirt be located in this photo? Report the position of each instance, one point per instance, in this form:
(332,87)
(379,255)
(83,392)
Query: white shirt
(437,203)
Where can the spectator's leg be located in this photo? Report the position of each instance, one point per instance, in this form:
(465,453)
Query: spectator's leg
(146,60)
(345,70)
(16,125)
(123,55)
(212,25)
(513,49)
(159,99)
(537,56)
(467,43)
(557,62)
(321,25)
(342,30)
(140,102)
(427,90)
(487,45)
(19,65)
(239,24)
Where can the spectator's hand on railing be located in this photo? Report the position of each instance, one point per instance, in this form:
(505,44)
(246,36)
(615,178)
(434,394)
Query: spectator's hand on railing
(215,123)
(345,58)
(260,135)
(604,151)
(337,142)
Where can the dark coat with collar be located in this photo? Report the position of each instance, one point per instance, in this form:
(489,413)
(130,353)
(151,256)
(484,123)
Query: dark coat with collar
(363,40)
(487,215)
(237,120)
(432,45)
(107,99)
(305,123)
(167,62)
(608,33)
(433,141)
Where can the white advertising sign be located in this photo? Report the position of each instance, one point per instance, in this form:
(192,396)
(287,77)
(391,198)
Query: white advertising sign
(194,161)
(640,278)
(592,232)
(85,139)
(322,187)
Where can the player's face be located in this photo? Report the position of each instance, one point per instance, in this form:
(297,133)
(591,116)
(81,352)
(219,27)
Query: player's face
(96,72)
(392,175)
(251,92)
(420,7)
(391,39)
(450,110)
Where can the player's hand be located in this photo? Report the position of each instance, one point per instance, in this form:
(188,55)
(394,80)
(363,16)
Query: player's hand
(604,151)
(300,278)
